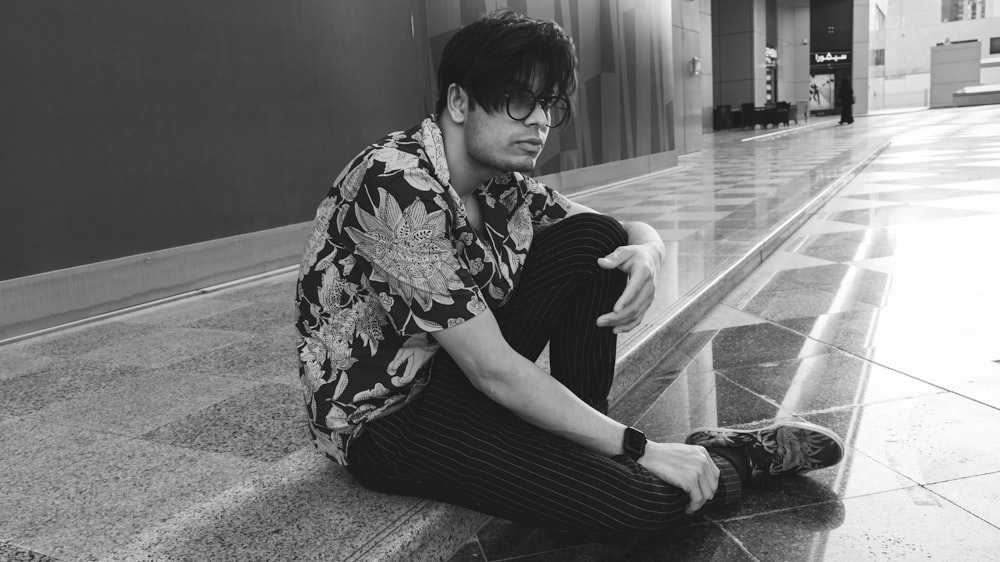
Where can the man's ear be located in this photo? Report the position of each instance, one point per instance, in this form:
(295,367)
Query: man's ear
(458,103)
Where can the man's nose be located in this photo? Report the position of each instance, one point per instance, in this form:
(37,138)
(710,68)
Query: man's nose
(539,117)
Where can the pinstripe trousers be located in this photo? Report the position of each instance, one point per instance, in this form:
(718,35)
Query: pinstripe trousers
(454,444)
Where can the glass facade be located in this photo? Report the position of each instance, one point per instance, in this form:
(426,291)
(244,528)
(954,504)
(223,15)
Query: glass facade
(959,10)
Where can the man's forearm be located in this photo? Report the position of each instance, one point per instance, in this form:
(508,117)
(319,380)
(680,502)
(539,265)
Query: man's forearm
(538,398)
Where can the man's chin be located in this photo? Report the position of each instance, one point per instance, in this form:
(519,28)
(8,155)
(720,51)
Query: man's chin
(523,166)
(518,164)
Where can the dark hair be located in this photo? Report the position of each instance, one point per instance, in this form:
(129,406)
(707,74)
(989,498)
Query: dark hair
(503,51)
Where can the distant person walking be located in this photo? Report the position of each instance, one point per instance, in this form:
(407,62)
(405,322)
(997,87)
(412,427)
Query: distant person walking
(846,102)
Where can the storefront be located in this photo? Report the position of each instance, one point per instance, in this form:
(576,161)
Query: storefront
(827,69)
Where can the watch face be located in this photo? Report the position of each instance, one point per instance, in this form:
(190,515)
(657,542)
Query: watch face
(635,443)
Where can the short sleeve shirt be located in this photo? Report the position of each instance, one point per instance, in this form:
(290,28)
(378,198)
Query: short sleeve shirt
(392,259)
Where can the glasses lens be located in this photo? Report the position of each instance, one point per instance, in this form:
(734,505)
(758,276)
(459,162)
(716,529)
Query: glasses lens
(558,111)
(520,104)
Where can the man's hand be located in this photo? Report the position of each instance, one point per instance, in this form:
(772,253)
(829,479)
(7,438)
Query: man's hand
(688,467)
(414,353)
(640,262)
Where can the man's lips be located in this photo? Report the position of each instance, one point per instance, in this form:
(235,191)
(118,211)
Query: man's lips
(534,144)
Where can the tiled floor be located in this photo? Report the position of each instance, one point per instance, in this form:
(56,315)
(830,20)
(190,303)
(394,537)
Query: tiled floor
(718,202)
(175,432)
(878,319)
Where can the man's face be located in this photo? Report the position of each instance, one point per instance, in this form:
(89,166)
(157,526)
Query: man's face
(500,143)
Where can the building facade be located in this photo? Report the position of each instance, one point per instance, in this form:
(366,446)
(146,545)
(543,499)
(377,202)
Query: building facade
(912,28)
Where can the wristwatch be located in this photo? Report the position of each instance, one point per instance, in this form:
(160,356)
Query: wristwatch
(634,443)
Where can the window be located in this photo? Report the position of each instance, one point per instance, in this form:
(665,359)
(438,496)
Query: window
(995,45)
(958,10)
(878,57)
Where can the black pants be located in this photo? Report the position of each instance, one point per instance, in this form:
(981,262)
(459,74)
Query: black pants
(456,445)
(847,112)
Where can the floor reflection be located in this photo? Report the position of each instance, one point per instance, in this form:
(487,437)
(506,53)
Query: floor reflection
(878,320)
(887,334)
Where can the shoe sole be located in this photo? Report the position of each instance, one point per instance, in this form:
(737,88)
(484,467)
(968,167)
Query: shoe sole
(804,426)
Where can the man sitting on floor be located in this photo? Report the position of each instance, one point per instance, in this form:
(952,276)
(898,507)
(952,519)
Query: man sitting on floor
(436,274)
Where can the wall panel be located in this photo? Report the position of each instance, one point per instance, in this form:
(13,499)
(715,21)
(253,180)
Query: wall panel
(130,127)
(152,148)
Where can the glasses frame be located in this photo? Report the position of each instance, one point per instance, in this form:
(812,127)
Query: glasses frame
(546,103)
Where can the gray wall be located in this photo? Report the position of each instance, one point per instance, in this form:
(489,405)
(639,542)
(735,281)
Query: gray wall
(148,149)
(135,126)
(738,41)
(861,47)
(692,39)
(953,67)
(132,127)
(792,43)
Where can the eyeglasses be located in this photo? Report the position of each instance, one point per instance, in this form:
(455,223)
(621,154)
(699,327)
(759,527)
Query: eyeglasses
(521,104)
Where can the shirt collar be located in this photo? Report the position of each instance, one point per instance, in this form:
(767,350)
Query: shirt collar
(433,143)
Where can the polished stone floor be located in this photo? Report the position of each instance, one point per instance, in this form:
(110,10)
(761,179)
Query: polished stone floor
(718,202)
(175,431)
(878,318)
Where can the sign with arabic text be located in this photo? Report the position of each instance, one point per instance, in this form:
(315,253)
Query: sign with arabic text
(831,57)
(770,56)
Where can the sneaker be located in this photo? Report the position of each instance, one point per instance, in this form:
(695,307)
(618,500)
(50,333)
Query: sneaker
(777,450)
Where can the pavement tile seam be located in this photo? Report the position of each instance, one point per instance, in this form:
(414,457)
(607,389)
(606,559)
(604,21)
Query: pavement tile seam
(762,397)
(92,411)
(265,428)
(643,420)
(733,538)
(942,489)
(472,550)
(721,521)
(10,552)
(860,530)
(229,525)
(723,373)
(861,357)
(959,394)
(939,454)
(926,381)
(115,440)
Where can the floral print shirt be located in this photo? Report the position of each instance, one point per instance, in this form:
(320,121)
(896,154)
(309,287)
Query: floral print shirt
(393,259)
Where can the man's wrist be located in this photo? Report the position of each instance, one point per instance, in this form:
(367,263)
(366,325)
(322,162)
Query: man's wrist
(642,234)
(659,251)
(634,443)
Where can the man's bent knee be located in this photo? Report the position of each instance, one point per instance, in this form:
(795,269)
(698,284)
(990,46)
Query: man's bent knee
(593,232)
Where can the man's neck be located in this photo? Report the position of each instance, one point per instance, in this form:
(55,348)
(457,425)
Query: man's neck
(466,175)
